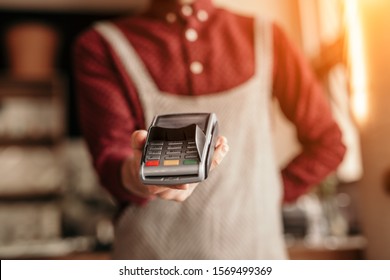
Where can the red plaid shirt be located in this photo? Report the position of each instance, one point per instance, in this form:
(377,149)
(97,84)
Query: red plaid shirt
(222,42)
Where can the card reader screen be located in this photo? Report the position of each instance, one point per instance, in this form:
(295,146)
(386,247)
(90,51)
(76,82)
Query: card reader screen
(176,121)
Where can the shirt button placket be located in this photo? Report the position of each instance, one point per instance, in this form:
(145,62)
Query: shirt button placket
(171,17)
(191,36)
(202,15)
(196,67)
(187,10)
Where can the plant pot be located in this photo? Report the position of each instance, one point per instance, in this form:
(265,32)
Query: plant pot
(32,48)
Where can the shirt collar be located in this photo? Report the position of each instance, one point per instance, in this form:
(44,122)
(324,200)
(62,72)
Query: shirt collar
(162,8)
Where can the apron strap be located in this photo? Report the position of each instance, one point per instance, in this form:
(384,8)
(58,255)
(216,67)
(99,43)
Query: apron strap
(263,49)
(131,61)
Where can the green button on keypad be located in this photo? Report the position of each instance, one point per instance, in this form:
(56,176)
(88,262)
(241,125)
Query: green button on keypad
(190,162)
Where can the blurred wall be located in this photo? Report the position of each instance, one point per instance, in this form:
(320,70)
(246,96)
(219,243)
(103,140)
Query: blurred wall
(71,4)
(375,131)
(284,12)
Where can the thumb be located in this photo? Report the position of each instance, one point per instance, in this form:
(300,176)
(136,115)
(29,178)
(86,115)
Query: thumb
(221,149)
(138,139)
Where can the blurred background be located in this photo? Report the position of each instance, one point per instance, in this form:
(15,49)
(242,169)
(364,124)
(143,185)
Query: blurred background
(51,204)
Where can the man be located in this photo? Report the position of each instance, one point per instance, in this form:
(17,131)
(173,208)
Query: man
(189,56)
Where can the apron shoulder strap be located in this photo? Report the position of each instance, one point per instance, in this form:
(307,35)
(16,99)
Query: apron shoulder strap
(263,49)
(131,61)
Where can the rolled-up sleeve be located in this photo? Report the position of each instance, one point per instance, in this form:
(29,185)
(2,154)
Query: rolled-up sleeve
(105,112)
(304,103)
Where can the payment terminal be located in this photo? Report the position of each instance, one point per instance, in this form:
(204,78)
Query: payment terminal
(179,149)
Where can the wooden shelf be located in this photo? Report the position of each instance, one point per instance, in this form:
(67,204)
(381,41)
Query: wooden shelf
(348,248)
(29,142)
(11,87)
(33,96)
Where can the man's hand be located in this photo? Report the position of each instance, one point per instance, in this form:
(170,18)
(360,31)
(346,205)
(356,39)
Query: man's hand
(130,171)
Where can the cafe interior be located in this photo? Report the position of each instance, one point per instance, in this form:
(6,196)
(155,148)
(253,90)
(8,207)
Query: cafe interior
(52,205)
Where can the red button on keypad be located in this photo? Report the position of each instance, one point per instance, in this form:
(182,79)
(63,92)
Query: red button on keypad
(152,163)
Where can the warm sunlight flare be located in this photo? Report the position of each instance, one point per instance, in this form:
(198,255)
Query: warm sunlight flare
(356,60)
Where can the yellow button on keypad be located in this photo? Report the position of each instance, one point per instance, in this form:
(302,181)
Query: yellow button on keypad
(171,162)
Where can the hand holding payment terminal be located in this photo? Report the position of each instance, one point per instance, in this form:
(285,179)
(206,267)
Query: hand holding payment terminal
(179,149)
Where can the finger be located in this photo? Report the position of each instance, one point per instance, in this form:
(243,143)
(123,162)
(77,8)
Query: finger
(138,139)
(157,190)
(168,195)
(176,194)
(220,140)
(219,153)
(143,193)
(179,187)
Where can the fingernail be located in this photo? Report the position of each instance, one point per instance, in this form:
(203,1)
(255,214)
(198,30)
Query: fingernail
(225,149)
